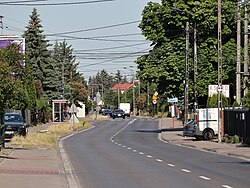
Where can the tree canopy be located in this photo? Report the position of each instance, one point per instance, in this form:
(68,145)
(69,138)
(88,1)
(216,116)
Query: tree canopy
(164,25)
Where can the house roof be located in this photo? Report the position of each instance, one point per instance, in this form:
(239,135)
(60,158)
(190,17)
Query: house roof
(122,87)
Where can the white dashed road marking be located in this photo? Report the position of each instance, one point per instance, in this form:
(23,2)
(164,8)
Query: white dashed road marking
(185,170)
(204,177)
(226,186)
(172,165)
(159,160)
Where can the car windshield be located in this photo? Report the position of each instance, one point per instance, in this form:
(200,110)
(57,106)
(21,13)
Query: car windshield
(118,110)
(189,123)
(13,118)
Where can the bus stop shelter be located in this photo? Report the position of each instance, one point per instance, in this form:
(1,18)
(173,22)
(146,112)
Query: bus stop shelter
(59,110)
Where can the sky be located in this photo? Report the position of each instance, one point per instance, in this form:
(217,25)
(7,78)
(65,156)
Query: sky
(104,35)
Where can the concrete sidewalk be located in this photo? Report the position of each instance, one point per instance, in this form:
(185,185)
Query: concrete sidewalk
(29,168)
(173,134)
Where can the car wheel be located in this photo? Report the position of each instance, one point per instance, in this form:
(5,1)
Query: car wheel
(123,117)
(113,117)
(208,134)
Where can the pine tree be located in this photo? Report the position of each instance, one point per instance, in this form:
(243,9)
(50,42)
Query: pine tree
(39,58)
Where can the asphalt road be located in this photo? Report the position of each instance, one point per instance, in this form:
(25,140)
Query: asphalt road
(128,154)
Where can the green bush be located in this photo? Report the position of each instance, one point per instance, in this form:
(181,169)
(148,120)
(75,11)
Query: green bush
(232,139)
(212,102)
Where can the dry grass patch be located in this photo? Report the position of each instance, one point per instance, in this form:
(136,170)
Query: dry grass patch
(48,139)
(98,116)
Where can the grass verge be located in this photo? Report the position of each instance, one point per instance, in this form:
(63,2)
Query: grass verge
(49,138)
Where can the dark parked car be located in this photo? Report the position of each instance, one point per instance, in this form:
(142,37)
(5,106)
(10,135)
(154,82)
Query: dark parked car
(107,112)
(117,113)
(14,125)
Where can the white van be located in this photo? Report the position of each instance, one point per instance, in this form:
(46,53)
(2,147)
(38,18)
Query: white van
(206,123)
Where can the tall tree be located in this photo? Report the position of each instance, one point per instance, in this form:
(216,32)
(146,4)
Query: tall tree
(164,25)
(39,58)
(65,66)
(17,89)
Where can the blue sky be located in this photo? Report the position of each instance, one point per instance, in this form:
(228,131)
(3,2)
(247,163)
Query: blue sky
(57,19)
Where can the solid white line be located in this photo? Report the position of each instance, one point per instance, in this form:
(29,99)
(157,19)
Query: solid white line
(227,186)
(172,165)
(149,156)
(204,177)
(185,170)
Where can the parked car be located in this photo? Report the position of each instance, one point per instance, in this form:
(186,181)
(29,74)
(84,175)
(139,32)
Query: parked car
(14,125)
(107,112)
(189,129)
(118,113)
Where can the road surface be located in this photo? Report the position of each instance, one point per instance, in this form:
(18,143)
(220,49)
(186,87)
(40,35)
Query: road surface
(128,154)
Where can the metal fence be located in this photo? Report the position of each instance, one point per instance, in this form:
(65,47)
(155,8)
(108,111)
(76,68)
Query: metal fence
(237,122)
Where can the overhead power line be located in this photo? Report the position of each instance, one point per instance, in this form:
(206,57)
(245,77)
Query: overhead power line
(111,59)
(112,48)
(27,1)
(93,29)
(106,36)
(53,4)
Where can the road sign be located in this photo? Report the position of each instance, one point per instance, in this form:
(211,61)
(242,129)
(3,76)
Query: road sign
(154,97)
(154,101)
(173,100)
(213,89)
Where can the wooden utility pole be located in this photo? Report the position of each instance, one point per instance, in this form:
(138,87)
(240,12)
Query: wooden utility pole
(238,68)
(186,75)
(219,72)
(246,71)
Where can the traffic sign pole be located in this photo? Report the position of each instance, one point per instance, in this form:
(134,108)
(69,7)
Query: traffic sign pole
(173,114)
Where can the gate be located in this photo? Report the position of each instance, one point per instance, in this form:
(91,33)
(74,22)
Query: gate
(237,122)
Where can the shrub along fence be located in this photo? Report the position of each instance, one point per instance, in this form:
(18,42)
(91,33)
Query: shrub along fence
(237,122)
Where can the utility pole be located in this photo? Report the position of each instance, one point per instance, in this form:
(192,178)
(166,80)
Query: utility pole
(1,22)
(134,109)
(195,70)
(219,72)
(238,68)
(148,97)
(118,93)
(186,75)
(246,71)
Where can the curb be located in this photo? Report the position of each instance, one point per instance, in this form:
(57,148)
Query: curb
(72,179)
